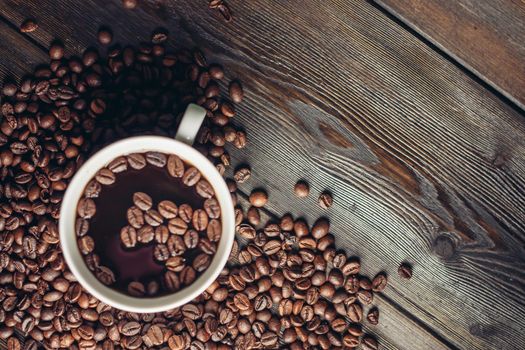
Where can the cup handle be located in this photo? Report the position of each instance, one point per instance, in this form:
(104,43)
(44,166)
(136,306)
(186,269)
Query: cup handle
(190,124)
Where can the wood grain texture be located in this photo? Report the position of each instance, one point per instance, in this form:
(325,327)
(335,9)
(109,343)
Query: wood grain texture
(425,164)
(487,36)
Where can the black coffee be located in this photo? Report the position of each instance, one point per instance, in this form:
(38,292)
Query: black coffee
(153,224)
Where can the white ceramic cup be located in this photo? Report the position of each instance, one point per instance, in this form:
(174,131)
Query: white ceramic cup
(181,146)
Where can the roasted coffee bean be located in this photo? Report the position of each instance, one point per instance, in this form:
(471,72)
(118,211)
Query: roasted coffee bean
(168,209)
(258,198)
(191,239)
(137,161)
(105,36)
(204,189)
(379,282)
(242,174)
(135,217)
(325,200)
(142,200)
(186,212)
(161,234)
(161,252)
(86,208)
(128,236)
(118,165)
(212,208)
(405,271)
(105,177)
(373,316)
(175,166)
(177,226)
(145,234)
(191,176)
(301,189)
(175,263)
(236,91)
(153,218)
(156,159)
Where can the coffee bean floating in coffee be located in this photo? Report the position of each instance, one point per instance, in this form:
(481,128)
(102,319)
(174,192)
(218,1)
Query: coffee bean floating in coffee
(150,226)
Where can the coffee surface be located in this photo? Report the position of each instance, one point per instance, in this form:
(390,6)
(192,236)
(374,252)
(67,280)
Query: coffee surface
(138,263)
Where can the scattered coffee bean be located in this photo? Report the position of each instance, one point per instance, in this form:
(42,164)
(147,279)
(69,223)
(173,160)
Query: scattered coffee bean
(301,189)
(105,36)
(129,4)
(242,174)
(405,271)
(142,201)
(373,316)
(28,26)
(258,198)
(325,200)
(236,91)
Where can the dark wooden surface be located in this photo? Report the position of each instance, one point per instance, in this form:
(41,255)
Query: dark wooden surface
(487,36)
(426,165)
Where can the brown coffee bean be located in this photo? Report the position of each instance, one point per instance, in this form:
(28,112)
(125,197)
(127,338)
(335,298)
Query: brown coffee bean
(86,244)
(118,165)
(142,200)
(130,328)
(354,313)
(156,159)
(379,282)
(28,26)
(200,220)
(105,177)
(168,209)
(128,236)
(175,166)
(272,247)
(105,36)
(405,271)
(204,189)
(212,208)
(135,217)
(350,341)
(137,161)
(175,263)
(145,234)
(191,239)
(161,252)
(325,200)
(171,281)
(242,174)
(130,5)
(86,208)
(373,316)
(176,245)
(201,262)
(320,228)
(301,189)
(246,231)
(258,198)
(153,218)
(191,176)
(186,212)
(56,51)
(161,234)
(93,189)
(214,230)
(236,92)
(351,268)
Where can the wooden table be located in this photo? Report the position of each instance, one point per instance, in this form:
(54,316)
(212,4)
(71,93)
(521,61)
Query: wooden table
(410,112)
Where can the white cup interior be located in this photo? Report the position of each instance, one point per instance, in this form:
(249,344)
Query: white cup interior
(68,211)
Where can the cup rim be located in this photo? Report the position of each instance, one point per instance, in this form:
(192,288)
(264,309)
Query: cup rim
(68,211)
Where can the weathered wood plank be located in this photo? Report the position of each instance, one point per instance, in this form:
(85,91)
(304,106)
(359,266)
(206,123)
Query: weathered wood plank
(426,165)
(486,36)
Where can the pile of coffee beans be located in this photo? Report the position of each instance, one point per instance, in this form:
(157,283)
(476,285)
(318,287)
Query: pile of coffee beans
(182,238)
(286,285)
